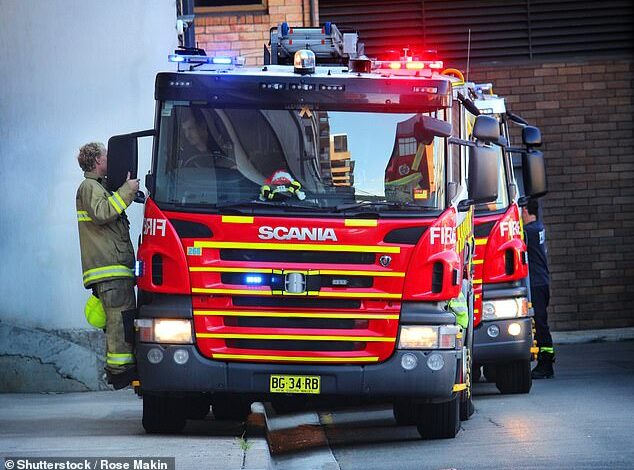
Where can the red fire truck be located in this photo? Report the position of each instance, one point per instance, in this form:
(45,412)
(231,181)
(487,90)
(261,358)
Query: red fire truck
(279,256)
(503,336)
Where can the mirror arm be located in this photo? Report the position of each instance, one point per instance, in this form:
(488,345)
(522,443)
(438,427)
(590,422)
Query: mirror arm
(458,141)
(465,204)
(522,201)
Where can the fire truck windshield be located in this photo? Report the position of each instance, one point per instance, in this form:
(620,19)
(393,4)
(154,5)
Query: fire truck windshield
(210,158)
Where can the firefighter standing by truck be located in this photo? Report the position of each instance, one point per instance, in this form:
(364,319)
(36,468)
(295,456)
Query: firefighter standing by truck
(107,258)
(540,288)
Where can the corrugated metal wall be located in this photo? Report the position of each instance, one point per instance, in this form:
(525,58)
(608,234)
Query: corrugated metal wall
(513,29)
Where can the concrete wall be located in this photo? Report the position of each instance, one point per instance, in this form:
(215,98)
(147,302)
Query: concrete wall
(71,72)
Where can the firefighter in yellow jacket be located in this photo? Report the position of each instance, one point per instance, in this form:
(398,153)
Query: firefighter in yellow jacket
(107,256)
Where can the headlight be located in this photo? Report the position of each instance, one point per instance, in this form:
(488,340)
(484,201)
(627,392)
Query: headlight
(504,308)
(428,337)
(164,330)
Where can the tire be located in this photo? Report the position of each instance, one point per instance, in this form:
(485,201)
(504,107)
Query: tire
(514,377)
(476,374)
(466,399)
(227,406)
(198,408)
(489,373)
(163,415)
(438,420)
(404,412)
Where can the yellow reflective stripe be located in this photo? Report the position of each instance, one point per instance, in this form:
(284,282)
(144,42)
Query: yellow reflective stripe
(116,270)
(82,216)
(299,247)
(258,313)
(481,241)
(114,203)
(459,387)
(478,261)
(120,200)
(200,269)
(361,222)
(200,290)
(413,178)
(477,281)
(378,339)
(295,358)
(358,295)
(237,219)
(343,272)
(119,359)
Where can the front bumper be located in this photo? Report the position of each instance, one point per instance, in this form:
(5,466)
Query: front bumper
(388,378)
(504,347)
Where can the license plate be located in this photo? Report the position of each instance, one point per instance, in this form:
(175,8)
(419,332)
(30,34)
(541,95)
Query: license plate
(295,384)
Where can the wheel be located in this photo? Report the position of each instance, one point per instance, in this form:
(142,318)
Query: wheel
(476,373)
(198,408)
(438,420)
(404,412)
(227,406)
(163,415)
(489,373)
(514,377)
(466,399)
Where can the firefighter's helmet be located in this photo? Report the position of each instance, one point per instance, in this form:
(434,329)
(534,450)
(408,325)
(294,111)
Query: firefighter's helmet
(95,313)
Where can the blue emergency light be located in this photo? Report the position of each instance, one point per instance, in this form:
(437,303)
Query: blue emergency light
(253,279)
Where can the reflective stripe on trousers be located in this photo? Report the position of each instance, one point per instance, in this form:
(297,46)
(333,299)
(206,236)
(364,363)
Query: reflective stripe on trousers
(114,359)
(105,272)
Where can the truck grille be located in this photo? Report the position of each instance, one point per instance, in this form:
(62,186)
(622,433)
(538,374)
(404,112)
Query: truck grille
(248,306)
(311,257)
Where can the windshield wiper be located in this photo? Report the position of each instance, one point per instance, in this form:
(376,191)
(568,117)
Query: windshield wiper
(378,204)
(257,203)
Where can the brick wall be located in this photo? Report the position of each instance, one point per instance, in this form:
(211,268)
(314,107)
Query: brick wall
(585,112)
(244,34)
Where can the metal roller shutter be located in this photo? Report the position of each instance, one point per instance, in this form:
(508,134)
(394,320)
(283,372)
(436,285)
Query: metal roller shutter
(513,29)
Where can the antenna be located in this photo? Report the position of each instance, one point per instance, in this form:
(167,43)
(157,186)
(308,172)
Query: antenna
(468,55)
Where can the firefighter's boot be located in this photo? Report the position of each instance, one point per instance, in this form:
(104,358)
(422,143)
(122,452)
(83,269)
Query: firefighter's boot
(122,379)
(544,367)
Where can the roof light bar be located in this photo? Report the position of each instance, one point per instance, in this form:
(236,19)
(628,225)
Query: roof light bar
(201,59)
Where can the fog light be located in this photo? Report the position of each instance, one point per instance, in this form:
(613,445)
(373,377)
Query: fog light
(155,355)
(409,361)
(181,356)
(493,331)
(435,362)
(515,329)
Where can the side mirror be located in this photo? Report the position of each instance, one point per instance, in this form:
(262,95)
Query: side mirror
(427,127)
(123,157)
(483,174)
(531,136)
(534,174)
(486,129)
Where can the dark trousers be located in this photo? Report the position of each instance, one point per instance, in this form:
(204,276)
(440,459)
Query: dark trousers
(540,296)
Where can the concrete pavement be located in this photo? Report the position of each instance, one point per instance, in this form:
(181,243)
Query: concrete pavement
(109,424)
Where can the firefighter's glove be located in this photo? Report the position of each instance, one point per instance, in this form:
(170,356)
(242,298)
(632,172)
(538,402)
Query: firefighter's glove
(459,308)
